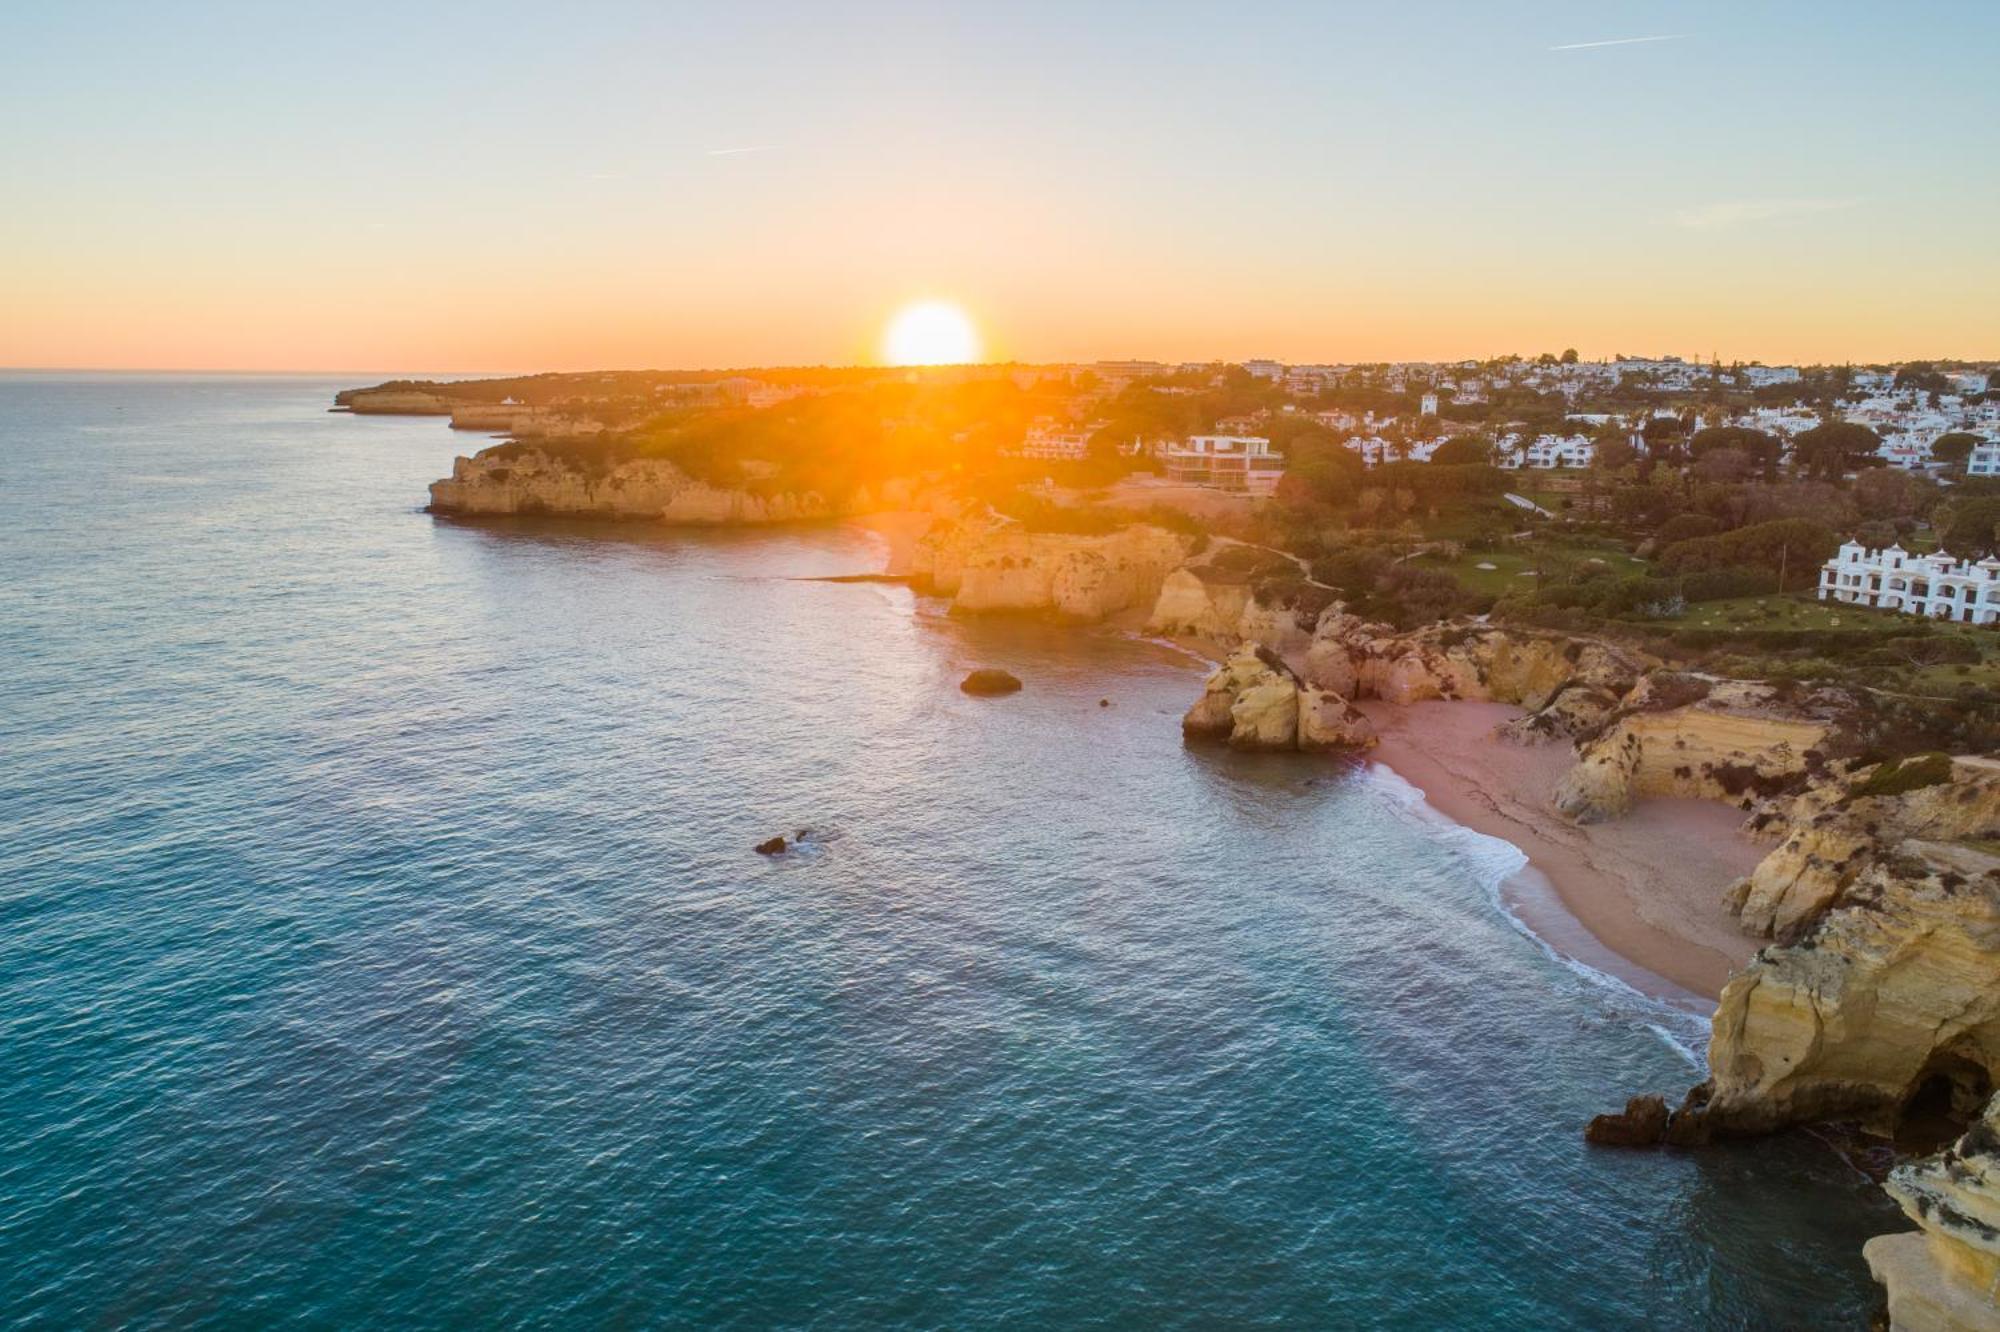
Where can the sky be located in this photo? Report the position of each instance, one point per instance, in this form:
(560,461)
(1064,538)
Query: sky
(513,187)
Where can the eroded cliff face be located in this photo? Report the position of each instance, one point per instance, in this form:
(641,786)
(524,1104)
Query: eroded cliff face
(1945,1275)
(531,482)
(1255,701)
(1566,684)
(1834,835)
(1737,742)
(986,563)
(1885,1007)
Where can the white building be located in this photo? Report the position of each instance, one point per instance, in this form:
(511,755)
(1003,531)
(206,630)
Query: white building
(1893,579)
(1227,462)
(1265,369)
(1429,406)
(1984,460)
(1047,439)
(1546,452)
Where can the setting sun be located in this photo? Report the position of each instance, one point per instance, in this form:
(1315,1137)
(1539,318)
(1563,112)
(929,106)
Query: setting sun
(930,333)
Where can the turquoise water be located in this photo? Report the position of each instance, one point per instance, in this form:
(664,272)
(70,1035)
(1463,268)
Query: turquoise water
(380,943)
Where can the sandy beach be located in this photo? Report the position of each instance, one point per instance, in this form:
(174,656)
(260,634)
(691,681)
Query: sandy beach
(1649,886)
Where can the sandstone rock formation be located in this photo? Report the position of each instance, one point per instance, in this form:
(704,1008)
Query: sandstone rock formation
(1835,834)
(1945,1276)
(1255,701)
(1567,685)
(987,563)
(1737,742)
(530,481)
(1885,1005)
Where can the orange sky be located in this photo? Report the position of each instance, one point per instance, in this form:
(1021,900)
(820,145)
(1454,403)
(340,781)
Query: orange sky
(1338,186)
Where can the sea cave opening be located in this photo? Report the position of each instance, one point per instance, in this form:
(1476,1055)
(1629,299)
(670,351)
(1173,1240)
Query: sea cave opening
(1947,1096)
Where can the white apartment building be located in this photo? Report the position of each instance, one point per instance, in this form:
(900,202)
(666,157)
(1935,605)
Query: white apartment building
(1984,460)
(1265,369)
(1226,462)
(1893,579)
(1546,452)
(1048,439)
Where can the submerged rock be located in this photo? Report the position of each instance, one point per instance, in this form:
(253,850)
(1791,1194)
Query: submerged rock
(989,680)
(771,846)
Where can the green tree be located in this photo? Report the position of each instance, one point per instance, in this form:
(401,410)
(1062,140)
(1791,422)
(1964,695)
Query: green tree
(1972,527)
(1831,448)
(1954,447)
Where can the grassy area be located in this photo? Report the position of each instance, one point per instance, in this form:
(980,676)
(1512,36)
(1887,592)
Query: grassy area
(1513,567)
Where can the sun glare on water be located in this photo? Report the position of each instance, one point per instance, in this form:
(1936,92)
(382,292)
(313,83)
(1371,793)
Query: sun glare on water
(930,333)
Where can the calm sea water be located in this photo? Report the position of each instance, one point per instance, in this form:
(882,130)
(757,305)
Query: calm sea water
(380,942)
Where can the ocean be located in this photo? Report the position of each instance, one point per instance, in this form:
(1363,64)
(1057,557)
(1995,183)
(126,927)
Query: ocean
(381,943)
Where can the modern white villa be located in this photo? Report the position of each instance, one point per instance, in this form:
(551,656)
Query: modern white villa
(1227,462)
(1893,579)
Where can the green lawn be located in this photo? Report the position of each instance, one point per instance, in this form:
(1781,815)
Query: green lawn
(1514,566)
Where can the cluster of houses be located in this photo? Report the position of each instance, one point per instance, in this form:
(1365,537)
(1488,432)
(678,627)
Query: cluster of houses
(1894,579)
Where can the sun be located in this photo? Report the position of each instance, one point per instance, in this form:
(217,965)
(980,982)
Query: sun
(930,333)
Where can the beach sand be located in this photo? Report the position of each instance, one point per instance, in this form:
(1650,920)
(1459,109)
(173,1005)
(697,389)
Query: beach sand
(1649,886)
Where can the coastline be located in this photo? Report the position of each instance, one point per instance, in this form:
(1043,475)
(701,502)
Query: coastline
(1639,899)
(1648,887)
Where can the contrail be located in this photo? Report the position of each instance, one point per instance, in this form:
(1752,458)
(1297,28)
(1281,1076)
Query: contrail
(1617,41)
(733,152)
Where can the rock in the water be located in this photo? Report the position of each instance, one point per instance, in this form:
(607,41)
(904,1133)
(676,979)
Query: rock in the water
(772,846)
(989,680)
(1254,701)
(1642,1123)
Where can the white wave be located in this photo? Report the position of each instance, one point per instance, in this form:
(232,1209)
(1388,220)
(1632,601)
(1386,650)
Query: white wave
(1497,863)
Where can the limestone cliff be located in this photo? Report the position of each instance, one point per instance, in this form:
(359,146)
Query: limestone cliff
(1255,701)
(987,563)
(1945,1276)
(1838,829)
(530,481)
(1885,1007)
(393,402)
(1737,741)
(1567,685)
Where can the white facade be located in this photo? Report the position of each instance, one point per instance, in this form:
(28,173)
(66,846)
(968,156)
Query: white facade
(1894,579)
(1265,369)
(1227,462)
(1046,439)
(1984,460)
(1546,452)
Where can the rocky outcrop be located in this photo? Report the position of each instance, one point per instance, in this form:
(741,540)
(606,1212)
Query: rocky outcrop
(393,402)
(1838,830)
(1567,685)
(530,481)
(1236,593)
(1885,1007)
(1737,742)
(1642,1123)
(990,681)
(987,563)
(1255,701)
(522,419)
(1945,1276)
